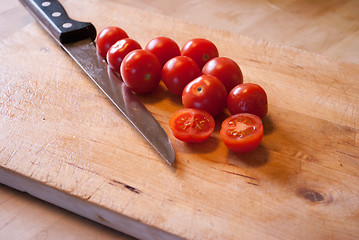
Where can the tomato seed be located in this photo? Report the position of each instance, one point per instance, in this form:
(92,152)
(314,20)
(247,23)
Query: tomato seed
(232,123)
(200,124)
(186,125)
(241,133)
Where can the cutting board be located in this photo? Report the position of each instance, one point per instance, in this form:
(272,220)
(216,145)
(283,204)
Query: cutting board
(64,142)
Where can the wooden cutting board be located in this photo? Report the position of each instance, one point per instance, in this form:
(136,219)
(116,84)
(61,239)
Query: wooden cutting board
(64,142)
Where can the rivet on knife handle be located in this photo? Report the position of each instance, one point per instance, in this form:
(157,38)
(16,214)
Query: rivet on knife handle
(54,18)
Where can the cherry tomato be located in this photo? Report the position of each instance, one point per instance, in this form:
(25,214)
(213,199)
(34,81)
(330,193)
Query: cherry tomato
(141,71)
(118,52)
(226,70)
(242,132)
(207,93)
(201,50)
(164,48)
(107,37)
(178,72)
(248,98)
(191,125)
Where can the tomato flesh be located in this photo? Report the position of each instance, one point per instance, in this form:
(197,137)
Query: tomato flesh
(191,125)
(242,132)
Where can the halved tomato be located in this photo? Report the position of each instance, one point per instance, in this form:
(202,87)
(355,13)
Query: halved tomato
(191,125)
(242,132)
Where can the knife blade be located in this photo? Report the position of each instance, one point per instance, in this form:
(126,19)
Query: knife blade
(78,40)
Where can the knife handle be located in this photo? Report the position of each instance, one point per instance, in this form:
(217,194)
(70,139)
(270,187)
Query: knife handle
(53,17)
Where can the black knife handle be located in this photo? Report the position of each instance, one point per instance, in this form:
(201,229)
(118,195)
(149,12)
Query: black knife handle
(52,15)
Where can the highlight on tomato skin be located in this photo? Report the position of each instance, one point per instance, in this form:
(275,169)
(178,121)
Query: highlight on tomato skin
(242,133)
(192,125)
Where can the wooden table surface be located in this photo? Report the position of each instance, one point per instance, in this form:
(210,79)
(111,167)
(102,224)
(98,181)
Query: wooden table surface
(329,28)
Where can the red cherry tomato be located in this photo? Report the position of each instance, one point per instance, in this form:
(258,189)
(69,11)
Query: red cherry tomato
(118,52)
(242,132)
(226,70)
(191,125)
(207,93)
(164,48)
(201,50)
(248,98)
(107,37)
(178,72)
(141,71)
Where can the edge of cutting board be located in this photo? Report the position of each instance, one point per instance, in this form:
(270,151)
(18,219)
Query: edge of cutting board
(83,207)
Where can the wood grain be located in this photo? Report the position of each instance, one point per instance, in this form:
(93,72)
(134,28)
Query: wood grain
(59,130)
(330,28)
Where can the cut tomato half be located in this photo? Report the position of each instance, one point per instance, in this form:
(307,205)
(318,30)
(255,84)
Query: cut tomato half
(242,132)
(191,125)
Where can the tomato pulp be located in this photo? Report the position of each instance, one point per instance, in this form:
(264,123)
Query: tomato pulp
(191,125)
(242,132)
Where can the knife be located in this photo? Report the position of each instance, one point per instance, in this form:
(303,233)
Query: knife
(77,39)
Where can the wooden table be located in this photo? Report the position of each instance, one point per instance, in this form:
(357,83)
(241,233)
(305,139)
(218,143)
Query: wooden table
(329,28)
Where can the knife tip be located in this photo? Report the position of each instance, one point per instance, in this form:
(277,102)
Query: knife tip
(170,157)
